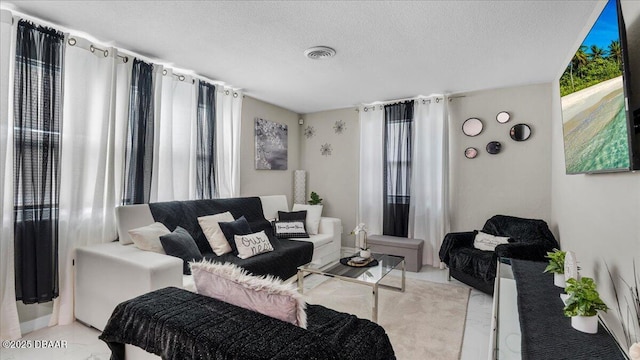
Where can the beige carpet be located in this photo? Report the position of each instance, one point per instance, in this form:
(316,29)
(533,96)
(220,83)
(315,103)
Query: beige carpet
(425,322)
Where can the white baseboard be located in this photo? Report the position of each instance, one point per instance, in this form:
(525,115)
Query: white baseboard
(347,250)
(35,324)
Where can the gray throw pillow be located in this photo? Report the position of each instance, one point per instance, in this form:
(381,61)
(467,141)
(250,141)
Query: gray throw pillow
(180,244)
(230,229)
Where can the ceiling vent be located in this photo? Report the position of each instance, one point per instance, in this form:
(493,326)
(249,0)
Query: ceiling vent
(319,52)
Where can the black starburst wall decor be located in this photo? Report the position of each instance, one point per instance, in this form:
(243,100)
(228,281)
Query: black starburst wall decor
(326,149)
(309,132)
(339,127)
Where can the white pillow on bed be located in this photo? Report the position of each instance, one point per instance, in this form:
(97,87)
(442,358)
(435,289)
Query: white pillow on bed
(147,238)
(264,294)
(214,234)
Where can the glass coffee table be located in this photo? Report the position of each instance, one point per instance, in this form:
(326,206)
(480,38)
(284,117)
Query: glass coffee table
(370,276)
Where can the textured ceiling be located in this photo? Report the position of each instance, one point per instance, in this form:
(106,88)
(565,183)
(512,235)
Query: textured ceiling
(385,49)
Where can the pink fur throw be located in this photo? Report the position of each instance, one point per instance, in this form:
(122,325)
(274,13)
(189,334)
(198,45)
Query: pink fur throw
(264,294)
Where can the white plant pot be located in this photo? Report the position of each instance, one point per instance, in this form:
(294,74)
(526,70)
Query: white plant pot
(586,324)
(564,298)
(559,281)
(365,254)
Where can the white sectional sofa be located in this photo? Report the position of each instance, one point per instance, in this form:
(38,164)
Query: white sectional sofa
(108,274)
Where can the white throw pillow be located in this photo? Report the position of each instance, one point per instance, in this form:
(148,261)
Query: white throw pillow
(264,294)
(488,242)
(214,234)
(252,244)
(288,229)
(314,213)
(147,238)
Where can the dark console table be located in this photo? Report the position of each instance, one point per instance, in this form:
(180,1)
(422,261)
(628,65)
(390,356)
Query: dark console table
(544,332)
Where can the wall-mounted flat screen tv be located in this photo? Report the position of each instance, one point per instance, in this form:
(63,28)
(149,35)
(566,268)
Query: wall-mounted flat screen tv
(598,128)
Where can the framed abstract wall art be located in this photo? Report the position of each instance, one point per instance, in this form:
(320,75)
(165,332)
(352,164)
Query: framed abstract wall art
(271,145)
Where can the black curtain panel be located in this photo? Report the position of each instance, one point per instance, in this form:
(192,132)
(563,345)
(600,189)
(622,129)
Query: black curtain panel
(139,151)
(398,139)
(37,116)
(206,142)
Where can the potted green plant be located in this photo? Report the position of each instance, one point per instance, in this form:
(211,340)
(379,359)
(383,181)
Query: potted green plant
(583,304)
(556,266)
(627,307)
(315,199)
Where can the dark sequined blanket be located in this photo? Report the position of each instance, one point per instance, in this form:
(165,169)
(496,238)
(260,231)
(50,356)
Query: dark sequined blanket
(178,324)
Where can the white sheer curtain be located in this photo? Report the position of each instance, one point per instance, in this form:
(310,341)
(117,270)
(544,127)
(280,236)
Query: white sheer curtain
(428,212)
(88,162)
(9,322)
(157,107)
(123,87)
(228,117)
(370,202)
(173,176)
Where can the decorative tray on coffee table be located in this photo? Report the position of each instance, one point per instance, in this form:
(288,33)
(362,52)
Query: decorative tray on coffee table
(357,261)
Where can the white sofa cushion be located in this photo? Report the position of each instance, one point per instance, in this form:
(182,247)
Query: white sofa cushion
(271,204)
(317,240)
(214,234)
(147,238)
(130,217)
(188,283)
(108,274)
(314,213)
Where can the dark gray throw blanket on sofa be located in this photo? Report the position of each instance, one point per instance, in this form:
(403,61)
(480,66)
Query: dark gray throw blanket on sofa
(177,324)
(282,262)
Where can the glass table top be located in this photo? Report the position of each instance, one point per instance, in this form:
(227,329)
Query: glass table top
(370,275)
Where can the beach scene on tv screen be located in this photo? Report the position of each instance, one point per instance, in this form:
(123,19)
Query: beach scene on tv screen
(593,111)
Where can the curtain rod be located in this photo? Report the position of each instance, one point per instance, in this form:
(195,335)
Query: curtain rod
(425,100)
(180,77)
(72,42)
(88,37)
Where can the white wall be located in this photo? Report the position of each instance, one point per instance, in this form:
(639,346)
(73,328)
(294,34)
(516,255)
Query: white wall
(518,180)
(267,182)
(334,177)
(596,216)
